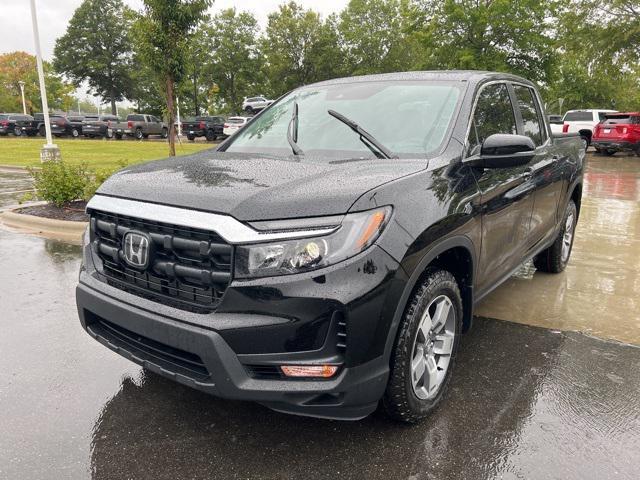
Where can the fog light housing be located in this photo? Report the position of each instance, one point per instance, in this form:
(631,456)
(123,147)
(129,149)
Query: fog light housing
(309,371)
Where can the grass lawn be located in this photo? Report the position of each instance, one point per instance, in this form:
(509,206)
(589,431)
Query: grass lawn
(95,153)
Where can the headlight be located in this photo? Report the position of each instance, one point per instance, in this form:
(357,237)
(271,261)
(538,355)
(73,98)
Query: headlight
(357,232)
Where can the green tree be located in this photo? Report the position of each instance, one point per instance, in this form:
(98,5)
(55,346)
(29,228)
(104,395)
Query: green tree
(163,33)
(375,36)
(299,48)
(498,35)
(20,66)
(234,70)
(96,48)
(600,48)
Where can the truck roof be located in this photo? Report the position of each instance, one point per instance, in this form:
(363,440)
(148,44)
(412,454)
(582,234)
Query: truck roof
(471,76)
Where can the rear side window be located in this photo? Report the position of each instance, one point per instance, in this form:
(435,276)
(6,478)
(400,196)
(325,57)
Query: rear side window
(493,114)
(621,119)
(578,116)
(602,115)
(135,118)
(530,115)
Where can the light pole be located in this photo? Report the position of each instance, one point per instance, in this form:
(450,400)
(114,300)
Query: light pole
(49,151)
(24,105)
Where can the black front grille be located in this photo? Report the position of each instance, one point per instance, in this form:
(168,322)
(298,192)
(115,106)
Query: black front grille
(189,268)
(165,356)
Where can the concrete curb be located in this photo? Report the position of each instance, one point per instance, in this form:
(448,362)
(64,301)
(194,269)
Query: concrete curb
(63,230)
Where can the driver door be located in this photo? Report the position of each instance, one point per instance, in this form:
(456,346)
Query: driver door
(506,193)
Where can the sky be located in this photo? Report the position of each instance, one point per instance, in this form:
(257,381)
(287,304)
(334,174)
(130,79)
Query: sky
(53,16)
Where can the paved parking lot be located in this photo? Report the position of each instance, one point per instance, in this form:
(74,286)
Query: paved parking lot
(525,402)
(14,184)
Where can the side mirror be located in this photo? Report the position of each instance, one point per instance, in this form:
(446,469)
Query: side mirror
(505,150)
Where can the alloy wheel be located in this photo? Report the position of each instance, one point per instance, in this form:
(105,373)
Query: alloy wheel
(432,347)
(567,237)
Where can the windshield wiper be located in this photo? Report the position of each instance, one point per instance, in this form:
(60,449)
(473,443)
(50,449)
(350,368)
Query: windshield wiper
(292,131)
(369,140)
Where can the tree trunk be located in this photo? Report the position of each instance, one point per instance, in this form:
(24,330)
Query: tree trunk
(171,113)
(113,102)
(195,94)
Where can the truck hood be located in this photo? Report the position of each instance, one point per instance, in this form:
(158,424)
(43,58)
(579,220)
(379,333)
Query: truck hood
(256,187)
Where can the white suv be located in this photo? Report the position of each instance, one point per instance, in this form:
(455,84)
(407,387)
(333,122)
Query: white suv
(254,104)
(582,122)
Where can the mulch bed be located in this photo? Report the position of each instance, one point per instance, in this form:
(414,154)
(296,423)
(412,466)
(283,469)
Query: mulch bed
(73,211)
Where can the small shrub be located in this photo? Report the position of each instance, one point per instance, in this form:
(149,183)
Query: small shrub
(60,183)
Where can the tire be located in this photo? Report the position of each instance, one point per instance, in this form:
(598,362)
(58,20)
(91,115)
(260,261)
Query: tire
(585,142)
(405,400)
(609,153)
(17,132)
(555,258)
(191,137)
(118,136)
(75,133)
(42,131)
(165,133)
(108,133)
(249,110)
(210,136)
(138,134)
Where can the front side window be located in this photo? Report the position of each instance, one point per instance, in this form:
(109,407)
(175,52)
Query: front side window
(493,114)
(410,118)
(530,114)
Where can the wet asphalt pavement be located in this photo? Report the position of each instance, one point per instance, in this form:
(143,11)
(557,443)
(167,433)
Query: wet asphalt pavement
(14,184)
(525,402)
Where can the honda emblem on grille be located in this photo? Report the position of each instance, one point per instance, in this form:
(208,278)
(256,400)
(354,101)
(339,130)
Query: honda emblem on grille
(136,247)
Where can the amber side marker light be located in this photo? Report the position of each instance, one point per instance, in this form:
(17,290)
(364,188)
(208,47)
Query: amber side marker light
(322,371)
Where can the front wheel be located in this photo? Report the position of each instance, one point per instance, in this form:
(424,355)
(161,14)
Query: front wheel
(165,133)
(555,258)
(585,142)
(75,133)
(426,345)
(210,136)
(17,132)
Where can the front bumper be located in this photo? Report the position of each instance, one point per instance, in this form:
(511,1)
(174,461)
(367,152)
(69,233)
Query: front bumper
(284,320)
(617,145)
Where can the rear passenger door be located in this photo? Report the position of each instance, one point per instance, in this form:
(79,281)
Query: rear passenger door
(506,196)
(545,168)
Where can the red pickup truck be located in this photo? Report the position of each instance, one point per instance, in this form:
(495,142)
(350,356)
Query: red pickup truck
(617,132)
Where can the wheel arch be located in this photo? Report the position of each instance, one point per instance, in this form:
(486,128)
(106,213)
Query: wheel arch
(455,254)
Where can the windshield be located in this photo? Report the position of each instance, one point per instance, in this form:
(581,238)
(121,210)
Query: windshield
(410,118)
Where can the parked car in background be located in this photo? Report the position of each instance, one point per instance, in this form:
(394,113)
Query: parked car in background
(99,125)
(323,285)
(233,124)
(255,104)
(139,126)
(35,126)
(618,132)
(14,123)
(76,124)
(583,123)
(209,127)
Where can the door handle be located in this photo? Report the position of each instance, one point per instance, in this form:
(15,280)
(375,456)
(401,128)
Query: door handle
(520,190)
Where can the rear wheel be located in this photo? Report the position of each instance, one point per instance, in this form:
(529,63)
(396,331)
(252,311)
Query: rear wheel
(17,132)
(138,134)
(424,354)
(75,133)
(555,258)
(191,137)
(118,136)
(109,133)
(165,133)
(249,110)
(585,142)
(210,136)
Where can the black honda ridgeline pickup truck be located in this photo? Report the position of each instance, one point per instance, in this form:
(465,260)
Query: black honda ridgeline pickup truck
(328,256)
